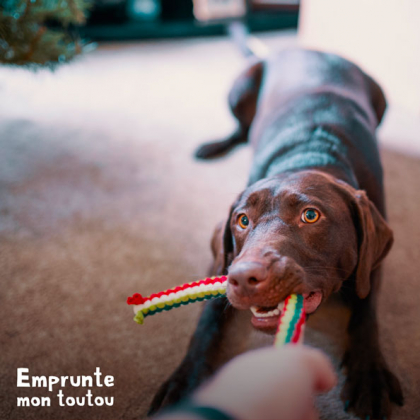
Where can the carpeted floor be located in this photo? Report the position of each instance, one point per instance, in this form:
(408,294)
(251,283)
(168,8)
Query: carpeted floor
(100,198)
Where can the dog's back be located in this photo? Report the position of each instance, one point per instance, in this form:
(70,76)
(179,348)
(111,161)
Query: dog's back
(317,110)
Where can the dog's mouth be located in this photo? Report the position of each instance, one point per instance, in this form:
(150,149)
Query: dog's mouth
(266,318)
(267,312)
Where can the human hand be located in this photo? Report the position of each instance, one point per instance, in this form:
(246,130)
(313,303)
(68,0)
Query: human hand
(269,384)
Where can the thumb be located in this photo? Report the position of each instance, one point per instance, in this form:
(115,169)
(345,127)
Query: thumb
(323,374)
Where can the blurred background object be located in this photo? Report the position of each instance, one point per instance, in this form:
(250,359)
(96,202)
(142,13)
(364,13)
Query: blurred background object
(383,37)
(140,19)
(205,10)
(50,31)
(40,31)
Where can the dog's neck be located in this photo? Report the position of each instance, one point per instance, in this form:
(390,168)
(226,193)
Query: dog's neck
(318,148)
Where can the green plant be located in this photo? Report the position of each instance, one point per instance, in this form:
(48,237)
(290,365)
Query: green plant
(40,31)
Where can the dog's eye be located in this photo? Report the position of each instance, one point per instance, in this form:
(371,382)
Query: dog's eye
(243,221)
(310,216)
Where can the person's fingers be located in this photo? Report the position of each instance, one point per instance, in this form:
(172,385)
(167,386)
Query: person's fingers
(324,377)
(278,383)
(311,414)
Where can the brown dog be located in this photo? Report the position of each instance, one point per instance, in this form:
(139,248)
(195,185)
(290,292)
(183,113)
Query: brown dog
(311,220)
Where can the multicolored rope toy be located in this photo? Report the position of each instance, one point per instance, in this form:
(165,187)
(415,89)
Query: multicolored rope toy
(173,298)
(291,322)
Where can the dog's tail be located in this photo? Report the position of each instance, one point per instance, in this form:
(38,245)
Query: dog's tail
(245,90)
(249,45)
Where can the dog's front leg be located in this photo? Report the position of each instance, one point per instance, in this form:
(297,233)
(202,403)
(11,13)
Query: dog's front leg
(370,387)
(203,355)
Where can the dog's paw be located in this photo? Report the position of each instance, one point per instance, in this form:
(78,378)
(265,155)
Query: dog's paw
(178,386)
(370,388)
(169,393)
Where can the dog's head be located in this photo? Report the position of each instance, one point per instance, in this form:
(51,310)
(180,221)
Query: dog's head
(303,232)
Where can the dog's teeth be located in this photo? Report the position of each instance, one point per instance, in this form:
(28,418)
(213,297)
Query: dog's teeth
(274,312)
(254,310)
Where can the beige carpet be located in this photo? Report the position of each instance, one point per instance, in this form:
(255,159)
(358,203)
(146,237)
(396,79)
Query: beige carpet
(100,198)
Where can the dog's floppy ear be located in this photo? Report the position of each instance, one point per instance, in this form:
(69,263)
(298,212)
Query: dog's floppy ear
(375,239)
(378,99)
(222,246)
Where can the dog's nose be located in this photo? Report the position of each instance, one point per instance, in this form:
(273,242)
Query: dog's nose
(247,275)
